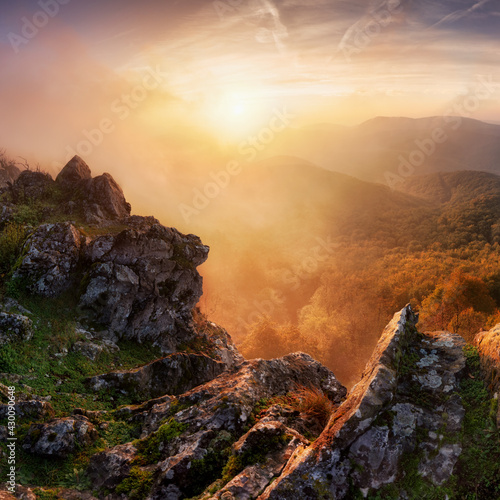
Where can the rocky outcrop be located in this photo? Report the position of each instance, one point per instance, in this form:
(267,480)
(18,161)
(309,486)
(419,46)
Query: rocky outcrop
(15,328)
(404,405)
(97,199)
(488,345)
(181,436)
(60,437)
(174,374)
(142,284)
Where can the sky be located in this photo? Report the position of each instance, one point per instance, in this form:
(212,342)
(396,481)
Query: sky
(150,90)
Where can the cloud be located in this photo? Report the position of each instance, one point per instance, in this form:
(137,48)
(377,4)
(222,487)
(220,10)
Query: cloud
(459,14)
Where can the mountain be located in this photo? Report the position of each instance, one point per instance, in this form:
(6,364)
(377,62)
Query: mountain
(383,146)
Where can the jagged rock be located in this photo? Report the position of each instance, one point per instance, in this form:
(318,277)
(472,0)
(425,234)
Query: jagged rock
(99,199)
(51,255)
(488,344)
(140,285)
(74,171)
(60,437)
(29,410)
(407,395)
(174,374)
(208,414)
(15,328)
(143,284)
(31,186)
(109,468)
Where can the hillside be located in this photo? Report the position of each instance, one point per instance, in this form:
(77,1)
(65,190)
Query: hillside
(300,255)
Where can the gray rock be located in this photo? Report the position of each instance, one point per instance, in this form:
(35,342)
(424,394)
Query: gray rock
(109,468)
(275,443)
(15,328)
(142,285)
(174,374)
(59,437)
(104,199)
(51,255)
(29,410)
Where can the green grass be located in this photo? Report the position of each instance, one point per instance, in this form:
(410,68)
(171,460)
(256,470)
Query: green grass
(478,469)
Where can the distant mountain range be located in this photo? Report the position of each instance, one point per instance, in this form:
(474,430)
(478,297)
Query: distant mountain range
(376,148)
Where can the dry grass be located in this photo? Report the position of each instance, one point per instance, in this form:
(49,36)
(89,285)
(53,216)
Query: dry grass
(314,403)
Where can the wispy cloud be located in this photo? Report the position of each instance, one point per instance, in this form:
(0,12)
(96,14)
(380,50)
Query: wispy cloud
(459,14)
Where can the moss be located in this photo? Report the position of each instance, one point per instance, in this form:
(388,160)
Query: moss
(256,455)
(150,449)
(205,471)
(137,485)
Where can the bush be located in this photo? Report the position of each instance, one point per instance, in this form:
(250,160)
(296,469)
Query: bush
(11,240)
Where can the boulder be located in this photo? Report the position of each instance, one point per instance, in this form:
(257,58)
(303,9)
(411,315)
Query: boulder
(75,171)
(50,258)
(174,374)
(263,452)
(98,200)
(60,437)
(15,328)
(31,186)
(104,199)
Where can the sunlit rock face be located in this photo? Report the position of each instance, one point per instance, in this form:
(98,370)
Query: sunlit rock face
(402,408)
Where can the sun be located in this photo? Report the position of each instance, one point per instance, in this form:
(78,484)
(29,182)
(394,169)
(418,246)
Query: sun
(234,113)
(238,109)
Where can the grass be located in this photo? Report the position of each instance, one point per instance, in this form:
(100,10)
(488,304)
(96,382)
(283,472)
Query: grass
(478,469)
